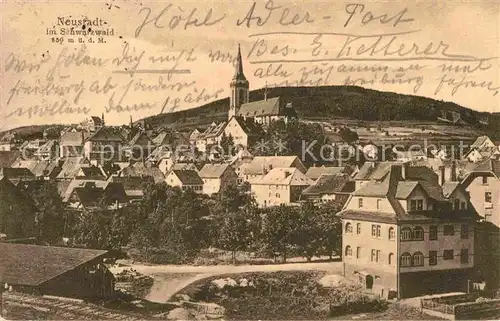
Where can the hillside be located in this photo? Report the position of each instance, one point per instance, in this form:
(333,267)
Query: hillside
(347,102)
(331,102)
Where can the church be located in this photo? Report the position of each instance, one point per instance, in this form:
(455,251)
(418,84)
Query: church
(262,111)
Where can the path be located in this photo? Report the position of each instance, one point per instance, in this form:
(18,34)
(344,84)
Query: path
(166,283)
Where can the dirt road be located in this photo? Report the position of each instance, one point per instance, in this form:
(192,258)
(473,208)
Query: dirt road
(170,279)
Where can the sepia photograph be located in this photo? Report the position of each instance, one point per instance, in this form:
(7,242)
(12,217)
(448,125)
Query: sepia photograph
(249,160)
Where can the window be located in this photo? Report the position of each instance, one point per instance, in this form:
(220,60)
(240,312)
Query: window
(378,231)
(358,228)
(375,254)
(456,204)
(348,228)
(348,251)
(374,230)
(358,252)
(360,202)
(433,232)
(405,259)
(487,197)
(448,255)
(464,231)
(416,205)
(464,256)
(405,234)
(449,230)
(392,233)
(378,255)
(379,204)
(418,233)
(433,257)
(391,258)
(418,259)
(485,180)
(463,206)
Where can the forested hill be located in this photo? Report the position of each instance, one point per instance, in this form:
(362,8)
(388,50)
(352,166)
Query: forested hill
(339,101)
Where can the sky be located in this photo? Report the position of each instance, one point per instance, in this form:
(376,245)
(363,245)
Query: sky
(40,74)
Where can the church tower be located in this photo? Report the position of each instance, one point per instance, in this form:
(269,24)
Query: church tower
(239,88)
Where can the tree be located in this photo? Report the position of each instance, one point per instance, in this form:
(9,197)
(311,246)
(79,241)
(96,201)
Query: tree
(330,228)
(278,229)
(51,218)
(234,233)
(308,234)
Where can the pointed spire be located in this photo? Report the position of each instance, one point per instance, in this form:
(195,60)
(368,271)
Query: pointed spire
(102,117)
(238,73)
(265,92)
(131,122)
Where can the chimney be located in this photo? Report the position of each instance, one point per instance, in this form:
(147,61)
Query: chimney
(441,175)
(404,170)
(454,171)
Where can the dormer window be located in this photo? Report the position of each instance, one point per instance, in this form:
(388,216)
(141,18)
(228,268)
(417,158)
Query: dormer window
(416,205)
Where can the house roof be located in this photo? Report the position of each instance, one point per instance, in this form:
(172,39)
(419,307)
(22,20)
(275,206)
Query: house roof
(73,138)
(141,138)
(330,184)
(46,169)
(115,191)
(405,188)
(188,177)
(47,147)
(71,167)
(449,188)
(375,170)
(170,138)
(140,169)
(16,172)
(213,170)
(91,171)
(269,107)
(251,128)
(29,164)
(183,166)
(315,172)
(7,158)
(89,196)
(78,183)
(214,130)
(488,165)
(33,265)
(290,176)
(106,134)
(479,141)
(262,164)
(424,216)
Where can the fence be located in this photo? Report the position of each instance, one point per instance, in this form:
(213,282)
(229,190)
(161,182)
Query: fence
(461,306)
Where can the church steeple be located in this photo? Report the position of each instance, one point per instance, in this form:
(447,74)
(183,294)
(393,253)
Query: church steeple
(102,117)
(239,87)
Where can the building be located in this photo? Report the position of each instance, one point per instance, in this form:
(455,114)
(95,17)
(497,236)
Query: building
(482,148)
(263,111)
(103,145)
(483,185)
(48,151)
(139,147)
(143,170)
(244,132)
(217,176)
(8,158)
(259,166)
(403,237)
(92,123)
(71,143)
(316,172)
(185,179)
(330,187)
(280,186)
(58,271)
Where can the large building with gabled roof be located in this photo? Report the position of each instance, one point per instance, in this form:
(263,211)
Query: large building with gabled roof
(58,271)
(406,232)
